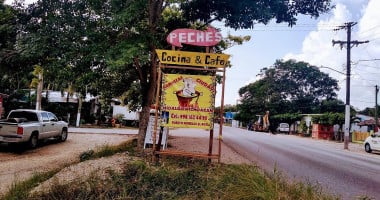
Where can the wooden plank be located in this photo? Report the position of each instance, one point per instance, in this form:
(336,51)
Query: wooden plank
(187,154)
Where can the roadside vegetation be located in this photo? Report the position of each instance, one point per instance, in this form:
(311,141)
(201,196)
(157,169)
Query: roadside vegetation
(171,178)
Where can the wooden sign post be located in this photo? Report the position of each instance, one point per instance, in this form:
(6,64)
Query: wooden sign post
(188,101)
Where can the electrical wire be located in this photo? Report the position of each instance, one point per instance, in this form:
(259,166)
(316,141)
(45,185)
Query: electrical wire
(370,29)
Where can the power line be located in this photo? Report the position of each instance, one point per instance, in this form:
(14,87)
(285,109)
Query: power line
(363,86)
(373,39)
(370,29)
(297,27)
(375,59)
(361,101)
(289,30)
(332,69)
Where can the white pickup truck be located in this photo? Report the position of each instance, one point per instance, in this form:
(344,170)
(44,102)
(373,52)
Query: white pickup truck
(30,126)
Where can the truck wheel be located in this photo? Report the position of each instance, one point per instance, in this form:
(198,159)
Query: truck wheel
(33,141)
(63,135)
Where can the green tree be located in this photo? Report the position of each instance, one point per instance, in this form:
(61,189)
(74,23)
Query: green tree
(70,40)
(332,105)
(8,31)
(65,38)
(246,13)
(287,87)
(13,72)
(370,111)
(330,118)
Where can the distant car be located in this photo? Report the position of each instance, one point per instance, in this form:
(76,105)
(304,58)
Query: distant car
(372,143)
(283,128)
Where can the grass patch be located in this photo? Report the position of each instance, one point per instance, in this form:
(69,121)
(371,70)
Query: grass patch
(108,150)
(187,179)
(173,178)
(249,182)
(20,190)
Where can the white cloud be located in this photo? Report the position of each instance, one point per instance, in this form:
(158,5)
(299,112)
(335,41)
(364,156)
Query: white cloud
(27,2)
(369,26)
(317,49)
(317,46)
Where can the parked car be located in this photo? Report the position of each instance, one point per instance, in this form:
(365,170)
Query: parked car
(372,142)
(283,128)
(30,126)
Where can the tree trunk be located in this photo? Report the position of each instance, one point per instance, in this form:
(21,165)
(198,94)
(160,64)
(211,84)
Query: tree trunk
(39,91)
(79,110)
(143,124)
(149,81)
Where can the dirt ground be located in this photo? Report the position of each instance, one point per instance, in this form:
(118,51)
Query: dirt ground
(18,166)
(201,145)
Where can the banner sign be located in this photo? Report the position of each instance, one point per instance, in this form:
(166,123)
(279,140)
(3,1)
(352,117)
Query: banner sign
(192,58)
(209,37)
(187,101)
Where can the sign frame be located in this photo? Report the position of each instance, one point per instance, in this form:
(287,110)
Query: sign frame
(212,67)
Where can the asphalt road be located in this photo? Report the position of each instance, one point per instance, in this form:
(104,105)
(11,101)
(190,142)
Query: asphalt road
(350,173)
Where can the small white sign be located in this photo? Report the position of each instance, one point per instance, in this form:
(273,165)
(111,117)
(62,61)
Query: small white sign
(150,132)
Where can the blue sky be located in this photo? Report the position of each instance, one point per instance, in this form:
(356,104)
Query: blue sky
(311,41)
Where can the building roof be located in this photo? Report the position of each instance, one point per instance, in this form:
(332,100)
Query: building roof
(368,122)
(57,96)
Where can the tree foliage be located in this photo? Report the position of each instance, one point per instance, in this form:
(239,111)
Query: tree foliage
(288,87)
(246,13)
(67,39)
(329,118)
(13,69)
(370,111)
(289,118)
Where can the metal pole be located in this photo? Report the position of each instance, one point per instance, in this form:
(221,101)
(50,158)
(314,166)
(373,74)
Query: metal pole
(376,115)
(158,88)
(348,76)
(221,115)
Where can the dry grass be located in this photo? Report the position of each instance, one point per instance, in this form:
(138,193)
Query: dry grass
(172,178)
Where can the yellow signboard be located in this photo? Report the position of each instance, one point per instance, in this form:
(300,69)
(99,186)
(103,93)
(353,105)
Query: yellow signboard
(192,58)
(187,101)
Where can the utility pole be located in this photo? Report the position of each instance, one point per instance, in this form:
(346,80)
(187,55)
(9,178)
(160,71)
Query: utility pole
(376,117)
(349,44)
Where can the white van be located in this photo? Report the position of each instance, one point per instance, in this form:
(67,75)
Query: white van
(283,128)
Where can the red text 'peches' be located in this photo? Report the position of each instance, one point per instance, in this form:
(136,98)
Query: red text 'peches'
(209,37)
